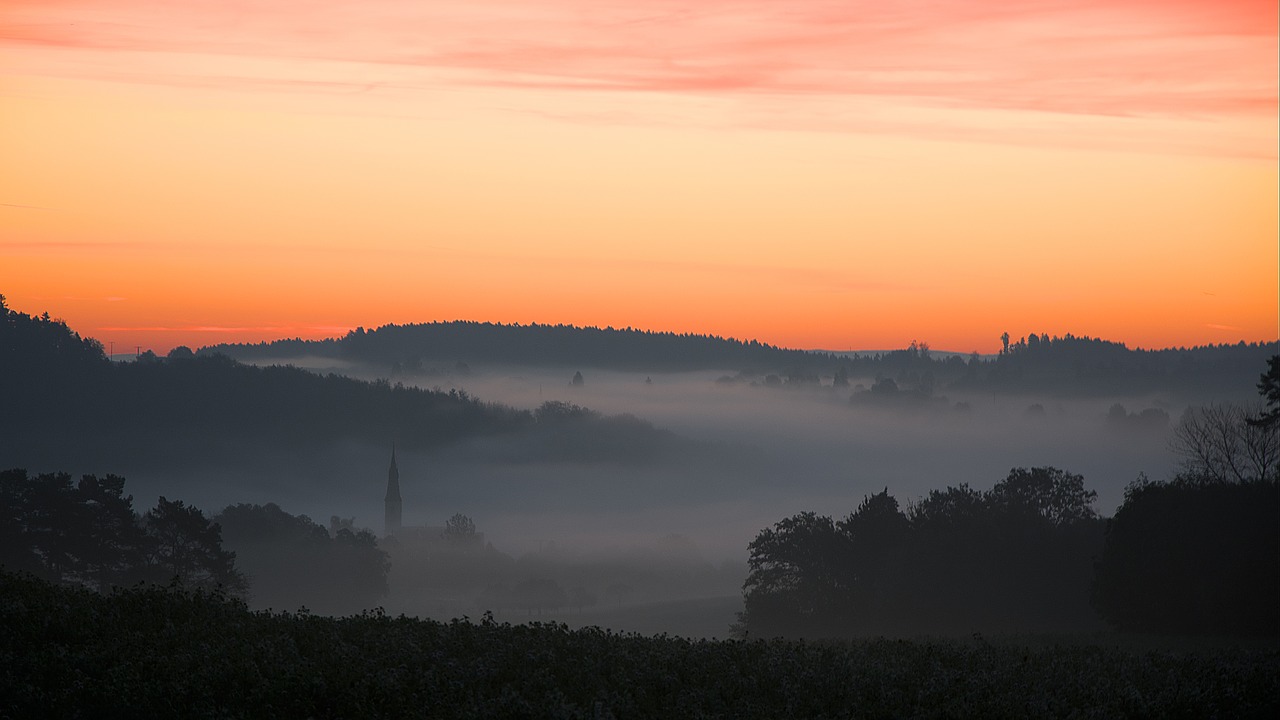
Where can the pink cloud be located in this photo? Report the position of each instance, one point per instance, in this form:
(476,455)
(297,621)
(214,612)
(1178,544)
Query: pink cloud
(1188,58)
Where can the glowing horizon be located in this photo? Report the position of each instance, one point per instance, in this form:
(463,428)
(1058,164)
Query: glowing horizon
(809,174)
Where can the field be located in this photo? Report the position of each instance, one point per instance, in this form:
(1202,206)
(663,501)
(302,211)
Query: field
(169,653)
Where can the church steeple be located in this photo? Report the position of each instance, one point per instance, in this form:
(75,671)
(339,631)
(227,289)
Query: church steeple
(391,521)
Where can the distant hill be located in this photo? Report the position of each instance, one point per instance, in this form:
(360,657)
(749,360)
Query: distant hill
(61,391)
(1065,366)
(410,346)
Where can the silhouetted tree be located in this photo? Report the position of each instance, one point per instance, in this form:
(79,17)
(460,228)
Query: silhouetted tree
(52,523)
(1269,388)
(292,561)
(1045,492)
(1017,557)
(795,586)
(877,534)
(88,534)
(17,535)
(1217,443)
(363,565)
(841,378)
(188,546)
(112,545)
(577,380)
(460,530)
(1189,557)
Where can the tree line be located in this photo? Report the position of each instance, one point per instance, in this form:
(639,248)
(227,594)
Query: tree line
(1036,362)
(1197,554)
(64,384)
(1016,557)
(87,533)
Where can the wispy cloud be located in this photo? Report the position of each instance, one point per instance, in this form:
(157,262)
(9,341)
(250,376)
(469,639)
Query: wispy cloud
(1114,58)
(79,298)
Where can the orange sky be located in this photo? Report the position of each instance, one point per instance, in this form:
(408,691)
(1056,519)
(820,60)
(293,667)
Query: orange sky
(812,174)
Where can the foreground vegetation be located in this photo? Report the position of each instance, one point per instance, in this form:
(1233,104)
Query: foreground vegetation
(165,652)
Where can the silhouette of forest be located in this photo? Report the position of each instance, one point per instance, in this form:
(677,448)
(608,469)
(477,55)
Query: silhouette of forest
(1030,554)
(1196,554)
(183,403)
(1183,557)
(87,533)
(1066,365)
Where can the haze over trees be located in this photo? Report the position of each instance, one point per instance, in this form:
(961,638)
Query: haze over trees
(936,556)
(87,533)
(1198,554)
(1061,365)
(290,561)
(1017,557)
(183,403)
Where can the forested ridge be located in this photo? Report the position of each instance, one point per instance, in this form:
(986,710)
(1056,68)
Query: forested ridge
(1067,365)
(65,385)
(409,346)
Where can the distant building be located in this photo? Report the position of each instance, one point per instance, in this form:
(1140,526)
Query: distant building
(391,519)
(393,526)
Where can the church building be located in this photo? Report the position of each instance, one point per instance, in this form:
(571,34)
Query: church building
(393,524)
(391,518)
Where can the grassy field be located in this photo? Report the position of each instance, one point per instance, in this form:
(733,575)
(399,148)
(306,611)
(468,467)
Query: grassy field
(168,653)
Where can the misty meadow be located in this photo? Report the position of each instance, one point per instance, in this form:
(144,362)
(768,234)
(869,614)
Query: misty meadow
(465,494)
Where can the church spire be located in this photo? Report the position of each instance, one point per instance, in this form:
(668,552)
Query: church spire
(391,524)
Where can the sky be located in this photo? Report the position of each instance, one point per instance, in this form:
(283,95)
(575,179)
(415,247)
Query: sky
(814,174)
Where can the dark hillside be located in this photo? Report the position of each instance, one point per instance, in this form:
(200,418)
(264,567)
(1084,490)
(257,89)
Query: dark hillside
(60,390)
(409,346)
(1036,364)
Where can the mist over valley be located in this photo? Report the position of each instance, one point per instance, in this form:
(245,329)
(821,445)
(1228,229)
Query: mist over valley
(629,488)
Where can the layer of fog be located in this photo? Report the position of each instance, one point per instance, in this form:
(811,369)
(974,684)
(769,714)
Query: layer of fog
(760,454)
(777,451)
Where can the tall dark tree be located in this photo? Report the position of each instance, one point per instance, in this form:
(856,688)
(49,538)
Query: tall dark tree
(1046,492)
(52,523)
(17,540)
(1269,388)
(1190,557)
(795,582)
(112,546)
(188,546)
(877,534)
